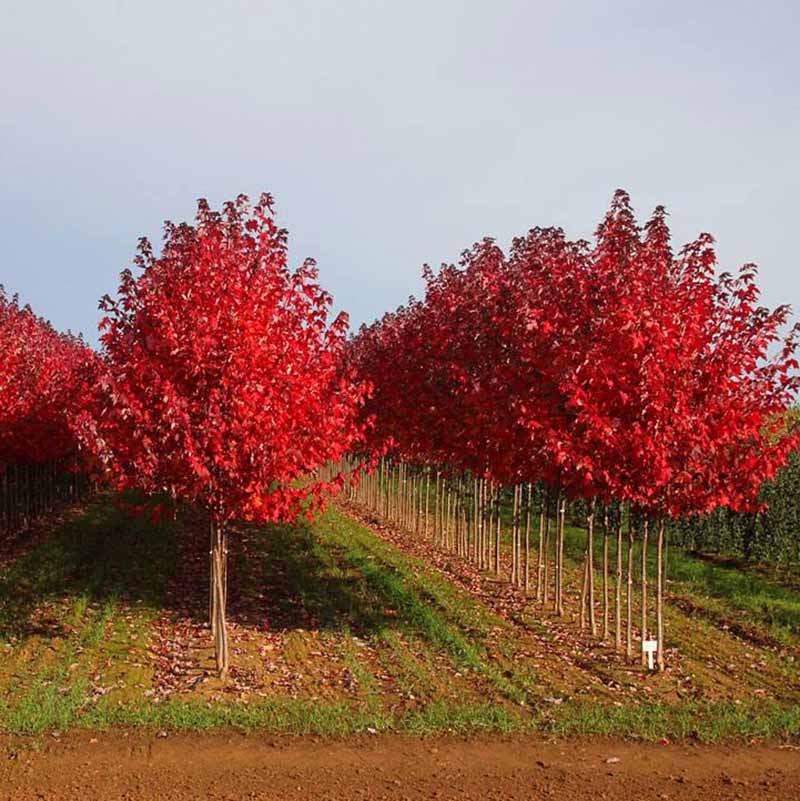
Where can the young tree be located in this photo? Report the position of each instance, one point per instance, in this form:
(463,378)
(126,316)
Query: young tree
(223,382)
(40,386)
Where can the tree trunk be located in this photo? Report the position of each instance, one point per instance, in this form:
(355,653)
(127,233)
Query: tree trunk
(427,498)
(556,550)
(475,524)
(219,586)
(479,554)
(515,568)
(629,621)
(584,591)
(618,598)
(527,583)
(590,571)
(660,595)
(645,532)
(212,619)
(498,499)
(605,574)
(560,592)
(544,533)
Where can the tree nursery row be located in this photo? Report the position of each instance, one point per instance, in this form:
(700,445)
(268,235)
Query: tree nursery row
(629,383)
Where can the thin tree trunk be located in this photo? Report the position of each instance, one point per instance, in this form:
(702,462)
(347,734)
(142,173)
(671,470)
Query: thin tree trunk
(528,539)
(545,583)
(557,540)
(479,527)
(498,497)
(560,592)
(212,617)
(590,572)
(544,529)
(618,589)
(629,621)
(437,507)
(487,518)
(645,532)
(427,498)
(475,521)
(605,574)
(515,568)
(660,595)
(219,568)
(584,588)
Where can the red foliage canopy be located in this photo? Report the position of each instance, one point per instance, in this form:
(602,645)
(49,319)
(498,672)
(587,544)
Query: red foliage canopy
(40,386)
(610,371)
(223,383)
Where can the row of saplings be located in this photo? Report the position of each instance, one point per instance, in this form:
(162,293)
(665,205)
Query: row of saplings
(519,532)
(222,382)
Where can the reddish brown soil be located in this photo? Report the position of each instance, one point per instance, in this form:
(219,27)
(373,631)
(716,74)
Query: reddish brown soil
(121,765)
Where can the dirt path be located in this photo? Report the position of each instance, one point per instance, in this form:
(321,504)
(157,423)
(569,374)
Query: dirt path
(121,765)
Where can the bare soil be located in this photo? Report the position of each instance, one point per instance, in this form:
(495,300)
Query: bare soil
(126,765)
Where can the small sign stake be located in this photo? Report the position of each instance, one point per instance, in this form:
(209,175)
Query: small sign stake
(650,647)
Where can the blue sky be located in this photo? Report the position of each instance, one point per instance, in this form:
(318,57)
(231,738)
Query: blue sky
(390,134)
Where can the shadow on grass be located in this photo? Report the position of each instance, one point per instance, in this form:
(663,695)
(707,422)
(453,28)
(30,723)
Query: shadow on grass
(281,577)
(284,577)
(100,554)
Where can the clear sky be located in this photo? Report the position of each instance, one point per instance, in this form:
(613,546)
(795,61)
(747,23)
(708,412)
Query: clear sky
(390,133)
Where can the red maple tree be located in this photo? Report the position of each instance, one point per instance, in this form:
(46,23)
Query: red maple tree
(40,386)
(223,383)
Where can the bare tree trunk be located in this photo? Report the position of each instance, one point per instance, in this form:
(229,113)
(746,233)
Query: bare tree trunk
(219,580)
(560,591)
(584,592)
(417,498)
(546,557)
(605,574)
(475,522)
(618,589)
(498,498)
(464,518)
(488,527)
(590,571)
(556,549)
(528,539)
(515,567)
(629,621)
(544,531)
(212,618)
(404,496)
(446,516)
(660,595)
(481,522)
(427,498)
(645,532)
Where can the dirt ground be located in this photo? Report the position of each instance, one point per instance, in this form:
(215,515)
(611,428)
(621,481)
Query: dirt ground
(117,766)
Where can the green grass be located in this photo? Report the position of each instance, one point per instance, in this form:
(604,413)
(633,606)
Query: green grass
(707,723)
(53,701)
(745,593)
(427,604)
(77,610)
(736,593)
(286,716)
